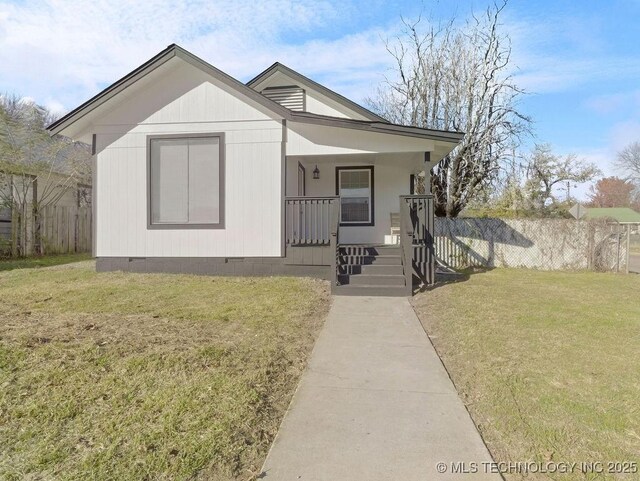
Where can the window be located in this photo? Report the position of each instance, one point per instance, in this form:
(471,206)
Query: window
(354,185)
(186,181)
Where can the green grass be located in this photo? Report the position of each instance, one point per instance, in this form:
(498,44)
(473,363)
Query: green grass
(548,363)
(147,376)
(8,264)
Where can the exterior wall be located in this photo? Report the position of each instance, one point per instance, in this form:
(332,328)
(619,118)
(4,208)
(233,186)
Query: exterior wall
(185,100)
(391,179)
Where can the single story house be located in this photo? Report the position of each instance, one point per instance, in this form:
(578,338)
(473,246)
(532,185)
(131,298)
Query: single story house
(621,215)
(197,172)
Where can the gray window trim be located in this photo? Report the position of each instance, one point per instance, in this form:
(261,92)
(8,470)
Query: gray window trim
(219,225)
(372,220)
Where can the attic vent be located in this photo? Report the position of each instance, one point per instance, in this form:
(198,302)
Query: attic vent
(291,97)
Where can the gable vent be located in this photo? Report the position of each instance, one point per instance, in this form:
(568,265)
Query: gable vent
(291,97)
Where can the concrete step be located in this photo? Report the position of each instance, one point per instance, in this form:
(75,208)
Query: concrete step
(374,269)
(376,291)
(393,260)
(371,280)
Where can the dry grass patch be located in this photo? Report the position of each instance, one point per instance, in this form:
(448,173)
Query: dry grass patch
(147,376)
(548,363)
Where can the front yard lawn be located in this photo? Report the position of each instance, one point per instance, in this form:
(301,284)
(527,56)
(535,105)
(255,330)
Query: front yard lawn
(8,264)
(147,376)
(548,363)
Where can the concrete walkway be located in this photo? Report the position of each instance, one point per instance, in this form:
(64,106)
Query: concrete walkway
(375,404)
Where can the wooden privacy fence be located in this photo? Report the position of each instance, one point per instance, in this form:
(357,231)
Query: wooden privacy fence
(65,229)
(57,230)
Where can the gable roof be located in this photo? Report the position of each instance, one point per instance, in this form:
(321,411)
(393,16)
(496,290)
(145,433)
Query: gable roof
(167,54)
(298,77)
(378,124)
(620,214)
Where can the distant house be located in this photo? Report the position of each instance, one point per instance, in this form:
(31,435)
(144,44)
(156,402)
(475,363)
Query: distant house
(622,215)
(197,172)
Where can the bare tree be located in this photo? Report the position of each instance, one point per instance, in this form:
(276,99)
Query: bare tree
(457,78)
(546,171)
(628,161)
(36,170)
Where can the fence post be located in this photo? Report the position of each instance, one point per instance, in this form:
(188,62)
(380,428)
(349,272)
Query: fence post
(619,238)
(628,248)
(15,226)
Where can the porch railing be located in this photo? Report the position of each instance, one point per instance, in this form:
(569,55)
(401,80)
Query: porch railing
(309,220)
(314,222)
(416,237)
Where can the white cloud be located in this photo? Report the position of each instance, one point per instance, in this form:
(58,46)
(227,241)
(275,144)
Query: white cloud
(556,54)
(62,53)
(623,133)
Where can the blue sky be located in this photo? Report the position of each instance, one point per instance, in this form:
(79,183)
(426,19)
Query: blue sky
(580,61)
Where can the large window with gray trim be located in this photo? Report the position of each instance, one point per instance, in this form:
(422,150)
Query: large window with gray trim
(186,181)
(354,185)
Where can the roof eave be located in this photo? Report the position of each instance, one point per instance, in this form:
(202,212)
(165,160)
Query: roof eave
(378,127)
(109,92)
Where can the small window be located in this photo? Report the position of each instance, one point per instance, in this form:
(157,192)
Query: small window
(355,188)
(186,181)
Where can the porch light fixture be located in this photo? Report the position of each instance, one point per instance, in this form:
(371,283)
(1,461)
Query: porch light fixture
(316,173)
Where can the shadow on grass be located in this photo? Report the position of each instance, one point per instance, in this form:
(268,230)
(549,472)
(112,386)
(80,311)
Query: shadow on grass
(11,263)
(444,278)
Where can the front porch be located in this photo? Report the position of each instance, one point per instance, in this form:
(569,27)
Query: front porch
(314,237)
(359,215)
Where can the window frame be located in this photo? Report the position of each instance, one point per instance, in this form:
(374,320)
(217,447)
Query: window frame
(371,221)
(221,175)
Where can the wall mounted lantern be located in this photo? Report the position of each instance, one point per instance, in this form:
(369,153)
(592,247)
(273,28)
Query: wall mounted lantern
(316,173)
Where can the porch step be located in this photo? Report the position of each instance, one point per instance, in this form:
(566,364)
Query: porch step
(389,260)
(377,291)
(372,269)
(369,250)
(371,280)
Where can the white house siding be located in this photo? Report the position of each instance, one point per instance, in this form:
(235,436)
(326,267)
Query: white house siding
(391,179)
(185,100)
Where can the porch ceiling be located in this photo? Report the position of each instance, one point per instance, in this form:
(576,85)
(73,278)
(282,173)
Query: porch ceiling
(318,140)
(410,157)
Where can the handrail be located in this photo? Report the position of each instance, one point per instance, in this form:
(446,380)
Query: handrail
(334,242)
(406,243)
(417,235)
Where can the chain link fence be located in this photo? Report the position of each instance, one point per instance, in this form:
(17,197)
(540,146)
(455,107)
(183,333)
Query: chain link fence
(548,244)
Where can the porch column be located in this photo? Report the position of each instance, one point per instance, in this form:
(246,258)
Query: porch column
(427,172)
